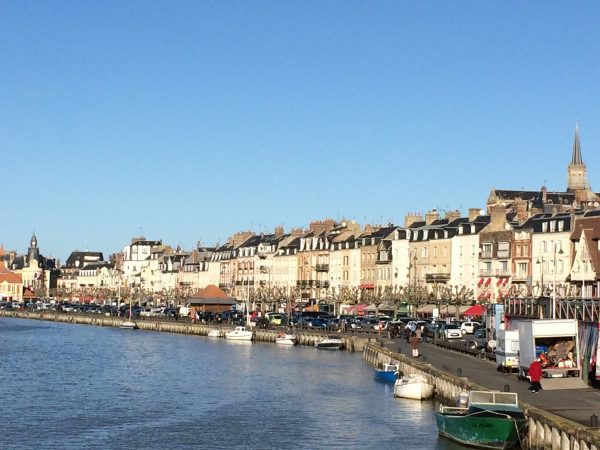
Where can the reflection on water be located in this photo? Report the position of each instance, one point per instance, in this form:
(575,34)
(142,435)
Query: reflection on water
(91,387)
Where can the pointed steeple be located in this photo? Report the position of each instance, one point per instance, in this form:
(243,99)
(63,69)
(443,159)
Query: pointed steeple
(577,172)
(576,158)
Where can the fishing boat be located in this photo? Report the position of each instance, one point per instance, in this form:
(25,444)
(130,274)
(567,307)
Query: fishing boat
(491,419)
(331,342)
(214,332)
(414,386)
(286,339)
(387,373)
(239,334)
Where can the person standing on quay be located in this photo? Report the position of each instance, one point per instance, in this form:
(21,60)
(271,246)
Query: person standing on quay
(414,343)
(535,374)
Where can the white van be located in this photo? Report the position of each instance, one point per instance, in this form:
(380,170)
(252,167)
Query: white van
(507,350)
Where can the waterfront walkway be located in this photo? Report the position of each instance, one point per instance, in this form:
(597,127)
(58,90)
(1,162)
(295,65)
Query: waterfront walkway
(574,404)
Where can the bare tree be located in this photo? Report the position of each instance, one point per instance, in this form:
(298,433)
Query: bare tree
(460,296)
(416,296)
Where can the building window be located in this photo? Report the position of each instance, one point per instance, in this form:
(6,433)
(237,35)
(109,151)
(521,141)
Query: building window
(503,249)
(561,225)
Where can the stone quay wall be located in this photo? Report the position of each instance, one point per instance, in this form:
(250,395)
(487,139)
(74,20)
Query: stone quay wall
(546,431)
(351,343)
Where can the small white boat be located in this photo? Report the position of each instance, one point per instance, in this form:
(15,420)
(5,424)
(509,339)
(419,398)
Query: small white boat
(286,339)
(239,334)
(128,325)
(214,332)
(331,342)
(414,386)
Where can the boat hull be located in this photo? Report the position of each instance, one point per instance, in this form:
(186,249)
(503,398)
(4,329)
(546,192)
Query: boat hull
(385,376)
(128,326)
(413,387)
(286,339)
(233,336)
(477,431)
(328,346)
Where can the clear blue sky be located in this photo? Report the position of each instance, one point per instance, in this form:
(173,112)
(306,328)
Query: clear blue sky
(191,120)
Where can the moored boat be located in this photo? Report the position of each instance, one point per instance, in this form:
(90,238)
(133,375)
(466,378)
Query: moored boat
(214,332)
(491,420)
(331,342)
(286,339)
(413,386)
(128,325)
(239,334)
(387,373)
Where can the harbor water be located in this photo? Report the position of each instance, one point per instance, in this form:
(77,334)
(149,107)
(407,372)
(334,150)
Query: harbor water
(73,386)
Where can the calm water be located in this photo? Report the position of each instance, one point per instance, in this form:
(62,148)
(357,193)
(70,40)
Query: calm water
(74,386)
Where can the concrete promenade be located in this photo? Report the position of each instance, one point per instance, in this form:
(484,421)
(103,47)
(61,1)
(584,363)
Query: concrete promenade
(577,405)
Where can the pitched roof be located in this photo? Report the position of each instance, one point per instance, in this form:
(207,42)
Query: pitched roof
(211,291)
(11,277)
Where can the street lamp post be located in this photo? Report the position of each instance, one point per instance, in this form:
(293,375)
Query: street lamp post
(560,252)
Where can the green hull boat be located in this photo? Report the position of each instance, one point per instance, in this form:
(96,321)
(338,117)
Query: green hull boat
(492,420)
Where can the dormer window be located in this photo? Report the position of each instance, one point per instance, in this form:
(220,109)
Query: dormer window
(561,225)
(544,227)
(553,226)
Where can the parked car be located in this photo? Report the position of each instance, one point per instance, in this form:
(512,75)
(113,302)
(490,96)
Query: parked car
(479,340)
(469,327)
(317,322)
(171,312)
(451,331)
(370,323)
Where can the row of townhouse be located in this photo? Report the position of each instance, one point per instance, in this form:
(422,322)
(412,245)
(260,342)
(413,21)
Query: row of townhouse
(526,243)
(491,255)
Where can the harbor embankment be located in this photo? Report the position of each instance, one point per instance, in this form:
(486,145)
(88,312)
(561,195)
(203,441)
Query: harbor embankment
(546,430)
(352,343)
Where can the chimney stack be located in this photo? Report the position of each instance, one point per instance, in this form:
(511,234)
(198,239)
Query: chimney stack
(411,218)
(279,231)
(497,218)
(473,214)
(451,216)
(431,216)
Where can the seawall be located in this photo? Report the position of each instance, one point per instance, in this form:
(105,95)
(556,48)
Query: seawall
(351,343)
(545,431)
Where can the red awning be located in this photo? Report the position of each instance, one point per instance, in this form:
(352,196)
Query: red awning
(480,282)
(488,281)
(475,310)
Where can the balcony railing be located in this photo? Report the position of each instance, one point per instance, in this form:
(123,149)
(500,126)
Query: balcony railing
(486,255)
(437,277)
(322,267)
(520,277)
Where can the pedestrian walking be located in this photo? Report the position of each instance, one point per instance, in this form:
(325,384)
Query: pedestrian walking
(418,333)
(535,375)
(414,343)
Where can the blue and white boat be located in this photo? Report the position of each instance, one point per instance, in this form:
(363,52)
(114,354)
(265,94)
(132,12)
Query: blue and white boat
(387,373)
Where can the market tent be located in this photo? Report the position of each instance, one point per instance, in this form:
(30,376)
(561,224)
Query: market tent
(475,310)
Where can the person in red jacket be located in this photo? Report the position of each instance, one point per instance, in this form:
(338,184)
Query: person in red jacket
(535,374)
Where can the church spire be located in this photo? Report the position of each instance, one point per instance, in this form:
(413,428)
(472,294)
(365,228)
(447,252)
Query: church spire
(576,158)
(577,177)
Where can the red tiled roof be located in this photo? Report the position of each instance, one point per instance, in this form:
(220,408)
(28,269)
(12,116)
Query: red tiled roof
(211,291)
(10,277)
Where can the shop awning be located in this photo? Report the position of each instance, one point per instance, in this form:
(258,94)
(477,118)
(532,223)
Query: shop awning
(475,310)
